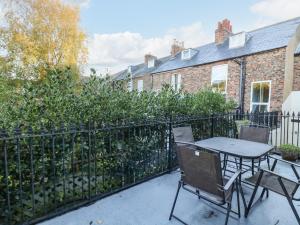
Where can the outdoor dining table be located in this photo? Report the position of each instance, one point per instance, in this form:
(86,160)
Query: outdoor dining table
(241,149)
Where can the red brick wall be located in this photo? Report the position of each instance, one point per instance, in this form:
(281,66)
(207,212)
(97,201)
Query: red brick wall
(266,66)
(147,84)
(259,67)
(296,82)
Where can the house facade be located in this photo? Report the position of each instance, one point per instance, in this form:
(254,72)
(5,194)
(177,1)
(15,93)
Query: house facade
(259,69)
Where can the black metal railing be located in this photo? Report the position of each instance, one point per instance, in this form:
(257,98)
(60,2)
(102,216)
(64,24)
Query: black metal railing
(49,172)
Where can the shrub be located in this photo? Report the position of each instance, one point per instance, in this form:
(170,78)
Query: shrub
(60,98)
(289,148)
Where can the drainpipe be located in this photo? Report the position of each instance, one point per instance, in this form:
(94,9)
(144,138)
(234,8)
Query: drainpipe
(151,82)
(242,63)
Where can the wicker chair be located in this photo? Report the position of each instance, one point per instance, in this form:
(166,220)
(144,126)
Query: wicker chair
(269,180)
(201,174)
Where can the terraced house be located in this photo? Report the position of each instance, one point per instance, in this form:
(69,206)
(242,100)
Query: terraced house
(260,69)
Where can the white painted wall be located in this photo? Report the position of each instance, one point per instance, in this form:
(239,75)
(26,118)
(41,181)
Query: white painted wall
(289,132)
(292,103)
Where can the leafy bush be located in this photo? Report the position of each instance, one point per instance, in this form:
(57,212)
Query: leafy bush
(289,148)
(60,98)
(61,161)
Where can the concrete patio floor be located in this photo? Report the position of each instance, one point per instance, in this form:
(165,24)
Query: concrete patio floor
(150,203)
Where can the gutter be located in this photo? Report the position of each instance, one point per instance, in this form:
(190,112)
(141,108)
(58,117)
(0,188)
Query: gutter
(242,63)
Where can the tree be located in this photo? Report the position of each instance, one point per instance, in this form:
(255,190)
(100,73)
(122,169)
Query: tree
(41,34)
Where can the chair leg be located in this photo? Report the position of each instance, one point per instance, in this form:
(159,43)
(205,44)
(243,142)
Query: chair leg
(197,191)
(252,166)
(268,161)
(289,200)
(225,164)
(240,182)
(174,203)
(238,199)
(253,194)
(263,193)
(228,212)
(236,163)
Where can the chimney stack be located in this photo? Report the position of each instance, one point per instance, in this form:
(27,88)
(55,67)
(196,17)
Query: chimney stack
(177,47)
(223,31)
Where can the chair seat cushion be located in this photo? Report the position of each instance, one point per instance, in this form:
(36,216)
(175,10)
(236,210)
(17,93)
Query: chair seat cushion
(270,181)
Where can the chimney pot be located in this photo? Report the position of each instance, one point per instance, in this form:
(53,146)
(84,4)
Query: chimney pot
(223,31)
(176,47)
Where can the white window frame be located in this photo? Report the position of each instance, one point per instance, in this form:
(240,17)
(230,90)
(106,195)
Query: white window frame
(140,86)
(226,78)
(258,103)
(188,52)
(176,81)
(237,40)
(151,63)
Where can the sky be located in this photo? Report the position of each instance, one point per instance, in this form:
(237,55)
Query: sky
(121,32)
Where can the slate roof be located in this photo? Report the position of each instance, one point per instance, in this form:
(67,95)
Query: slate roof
(297,52)
(140,69)
(259,40)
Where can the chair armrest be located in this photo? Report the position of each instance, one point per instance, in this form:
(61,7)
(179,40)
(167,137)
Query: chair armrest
(285,161)
(232,180)
(278,175)
(195,145)
(185,142)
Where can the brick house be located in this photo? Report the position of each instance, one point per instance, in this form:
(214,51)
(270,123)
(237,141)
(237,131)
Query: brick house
(259,69)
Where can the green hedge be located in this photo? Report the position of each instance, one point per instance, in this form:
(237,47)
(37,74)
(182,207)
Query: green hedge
(60,98)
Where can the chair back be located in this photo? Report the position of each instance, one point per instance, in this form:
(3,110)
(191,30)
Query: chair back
(201,169)
(184,134)
(256,134)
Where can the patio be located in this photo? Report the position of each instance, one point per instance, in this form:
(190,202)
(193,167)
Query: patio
(75,167)
(150,203)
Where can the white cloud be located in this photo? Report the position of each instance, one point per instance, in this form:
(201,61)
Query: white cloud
(80,3)
(118,50)
(1,12)
(271,11)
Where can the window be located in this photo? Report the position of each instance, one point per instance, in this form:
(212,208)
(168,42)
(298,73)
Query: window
(237,40)
(186,54)
(176,82)
(219,78)
(140,85)
(260,96)
(151,63)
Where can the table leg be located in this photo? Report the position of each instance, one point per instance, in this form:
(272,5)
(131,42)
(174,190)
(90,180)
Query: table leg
(240,184)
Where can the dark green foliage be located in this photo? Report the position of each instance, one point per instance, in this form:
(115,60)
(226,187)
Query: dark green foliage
(289,148)
(77,140)
(60,98)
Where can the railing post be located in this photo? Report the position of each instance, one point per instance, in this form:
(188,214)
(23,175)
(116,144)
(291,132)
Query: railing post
(170,144)
(212,125)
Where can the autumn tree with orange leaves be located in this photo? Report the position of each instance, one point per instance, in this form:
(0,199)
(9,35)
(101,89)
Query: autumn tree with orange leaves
(38,35)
